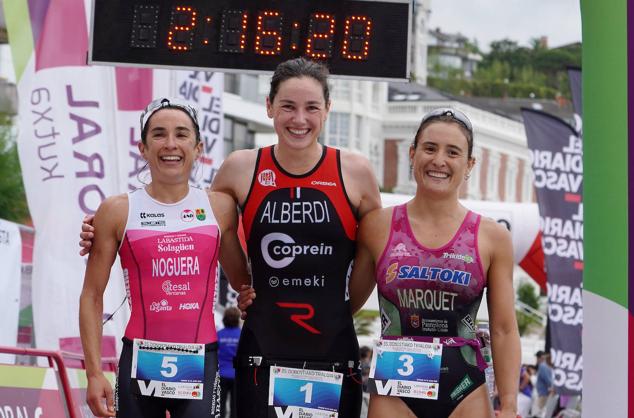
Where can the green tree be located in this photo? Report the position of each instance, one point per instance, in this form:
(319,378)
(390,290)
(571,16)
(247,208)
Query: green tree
(13,206)
(528,296)
(363,321)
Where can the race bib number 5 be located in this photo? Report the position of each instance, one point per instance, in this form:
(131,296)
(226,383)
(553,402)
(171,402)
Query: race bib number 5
(168,370)
(405,368)
(303,393)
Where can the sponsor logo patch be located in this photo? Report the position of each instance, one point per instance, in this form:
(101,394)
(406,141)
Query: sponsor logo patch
(464,257)
(187,215)
(459,391)
(267,178)
(162,306)
(400,251)
(150,215)
(152,223)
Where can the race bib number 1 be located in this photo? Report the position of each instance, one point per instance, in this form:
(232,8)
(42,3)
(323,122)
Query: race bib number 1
(295,393)
(405,368)
(168,370)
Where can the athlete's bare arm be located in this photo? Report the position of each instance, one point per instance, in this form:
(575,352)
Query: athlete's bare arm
(110,221)
(372,237)
(232,183)
(505,339)
(360,183)
(232,257)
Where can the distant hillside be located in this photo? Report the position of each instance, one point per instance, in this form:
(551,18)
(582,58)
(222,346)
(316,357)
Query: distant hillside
(510,70)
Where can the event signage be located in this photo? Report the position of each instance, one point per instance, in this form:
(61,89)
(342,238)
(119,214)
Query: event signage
(35,392)
(557,161)
(355,38)
(303,393)
(78,141)
(10,279)
(405,368)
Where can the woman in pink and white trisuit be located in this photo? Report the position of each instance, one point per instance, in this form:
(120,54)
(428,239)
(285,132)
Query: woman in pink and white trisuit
(168,239)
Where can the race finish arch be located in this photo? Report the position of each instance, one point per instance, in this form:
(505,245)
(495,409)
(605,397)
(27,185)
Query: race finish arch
(608,281)
(609,153)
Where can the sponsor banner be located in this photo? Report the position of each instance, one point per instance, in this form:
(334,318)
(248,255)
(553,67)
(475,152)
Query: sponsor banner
(204,91)
(574,76)
(66,151)
(10,279)
(34,392)
(557,162)
(78,143)
(134,88)
(67,159)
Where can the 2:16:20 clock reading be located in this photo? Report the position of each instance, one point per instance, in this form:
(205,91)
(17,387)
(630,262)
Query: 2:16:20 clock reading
(266,32)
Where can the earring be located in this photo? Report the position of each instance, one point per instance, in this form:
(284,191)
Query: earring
(467,176)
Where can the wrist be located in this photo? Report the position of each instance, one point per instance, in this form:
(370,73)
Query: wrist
(92,374)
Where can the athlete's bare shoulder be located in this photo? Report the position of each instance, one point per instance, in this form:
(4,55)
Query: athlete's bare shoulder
(112,214)
(357,166)
(115,205)
(374,230)
(360,182)
(494,241)
(235,174)
(493,230)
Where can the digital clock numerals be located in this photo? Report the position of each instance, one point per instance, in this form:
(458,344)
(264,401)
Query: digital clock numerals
(268,36)
(321,30)
(233,31)
(316,41)
(180,36)
(356,38)
(144,26)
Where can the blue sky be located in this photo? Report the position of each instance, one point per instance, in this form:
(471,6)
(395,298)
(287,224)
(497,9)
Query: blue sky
(519,20)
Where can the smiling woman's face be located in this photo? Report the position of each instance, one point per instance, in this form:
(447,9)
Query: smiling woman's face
(440,159)
(170,146)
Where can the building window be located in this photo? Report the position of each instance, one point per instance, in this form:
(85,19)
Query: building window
(232,84)
(341,89)
(237,136)
(358,133)
(358,91)
(338,129)
(228,134)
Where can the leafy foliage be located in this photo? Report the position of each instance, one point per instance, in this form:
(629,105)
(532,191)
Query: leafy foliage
(526,293)
(511,70)
(13,206)
(363,321)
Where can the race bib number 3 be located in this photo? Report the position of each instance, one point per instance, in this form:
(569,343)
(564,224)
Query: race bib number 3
(295,393)
(405,368)
(168,370)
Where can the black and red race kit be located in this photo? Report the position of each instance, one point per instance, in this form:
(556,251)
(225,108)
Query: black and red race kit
(300,232)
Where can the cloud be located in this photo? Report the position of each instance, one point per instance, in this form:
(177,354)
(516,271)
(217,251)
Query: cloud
(519,20)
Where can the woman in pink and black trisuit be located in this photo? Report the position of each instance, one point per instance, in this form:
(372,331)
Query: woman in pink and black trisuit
(431,259)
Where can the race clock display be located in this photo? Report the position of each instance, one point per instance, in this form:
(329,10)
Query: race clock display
(364,39)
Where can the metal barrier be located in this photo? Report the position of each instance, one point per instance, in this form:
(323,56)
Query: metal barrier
(54,358)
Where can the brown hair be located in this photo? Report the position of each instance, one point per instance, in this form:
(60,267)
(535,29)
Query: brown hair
(449,119)
(296,68)
(231,318)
